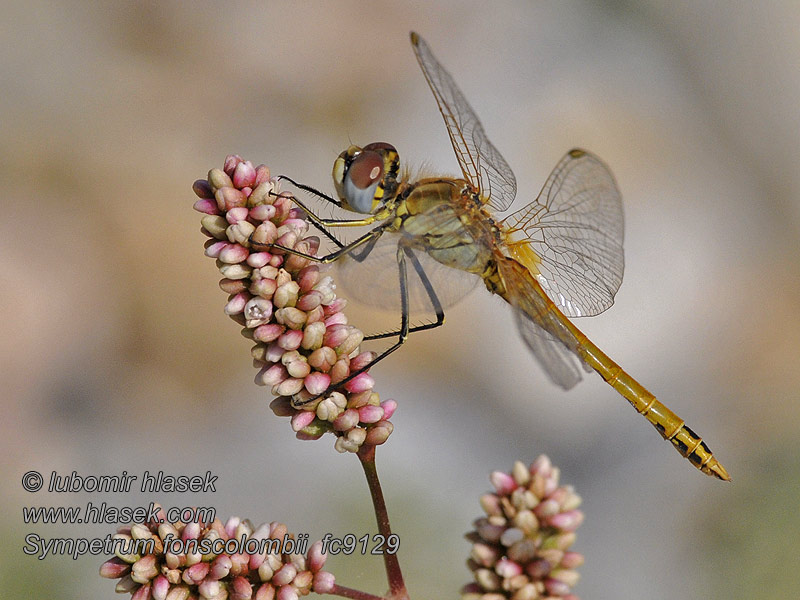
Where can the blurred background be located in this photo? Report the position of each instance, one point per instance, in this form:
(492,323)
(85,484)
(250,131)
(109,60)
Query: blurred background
(116,354)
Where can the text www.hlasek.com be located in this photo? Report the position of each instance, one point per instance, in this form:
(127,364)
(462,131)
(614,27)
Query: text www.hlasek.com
(111,515)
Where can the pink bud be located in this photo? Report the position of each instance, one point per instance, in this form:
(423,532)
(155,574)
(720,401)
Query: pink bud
(324,582)
(347,420)
(208,207)
(267,333)
(262,212)
(388,406)
(360,383)
(233,253)
(203,190)
(370,414)
(290,339)
(287,592)
(302,419)
(272,375)
(567,521)
(214,249)
(285,575)
(244,175)
(236,304)
(258,259)
(265,592)
(234,215)
(231,161)
(502,482)
(317,382)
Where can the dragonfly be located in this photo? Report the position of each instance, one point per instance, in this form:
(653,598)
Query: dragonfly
(557,258)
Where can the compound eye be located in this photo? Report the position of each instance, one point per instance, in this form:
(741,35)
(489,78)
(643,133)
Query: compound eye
(366,169)
(378,146)
(361,181)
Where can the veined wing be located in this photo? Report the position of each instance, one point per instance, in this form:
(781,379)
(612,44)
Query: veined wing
(375,281)
(483,166)
(571,236)
(542,329)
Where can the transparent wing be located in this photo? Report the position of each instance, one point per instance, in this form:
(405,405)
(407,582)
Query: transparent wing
(575,232)
(542,329)
(483,166)
(375,280)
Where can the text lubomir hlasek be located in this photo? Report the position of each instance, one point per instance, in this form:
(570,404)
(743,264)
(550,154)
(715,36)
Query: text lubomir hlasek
(151,482)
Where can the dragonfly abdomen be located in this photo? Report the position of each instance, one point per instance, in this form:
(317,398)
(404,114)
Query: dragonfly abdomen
(669,425)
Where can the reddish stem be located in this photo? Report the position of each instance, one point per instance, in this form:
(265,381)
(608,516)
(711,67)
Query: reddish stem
(346,592)
(397,588)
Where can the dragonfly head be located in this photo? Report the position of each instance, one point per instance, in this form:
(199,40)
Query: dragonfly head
(365,178)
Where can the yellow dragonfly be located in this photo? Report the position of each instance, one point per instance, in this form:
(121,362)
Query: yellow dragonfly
(560,256)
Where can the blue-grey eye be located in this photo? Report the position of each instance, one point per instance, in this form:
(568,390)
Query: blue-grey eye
(362,179)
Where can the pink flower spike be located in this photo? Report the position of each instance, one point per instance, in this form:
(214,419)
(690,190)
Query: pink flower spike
(360,383)
(502,482)
(388,406)
(206,206)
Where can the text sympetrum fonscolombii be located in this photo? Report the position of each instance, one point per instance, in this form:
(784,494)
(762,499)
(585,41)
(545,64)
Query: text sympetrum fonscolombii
(560,256)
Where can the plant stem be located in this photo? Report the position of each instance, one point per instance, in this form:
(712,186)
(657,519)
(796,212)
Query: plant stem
(346,592)
(397,588)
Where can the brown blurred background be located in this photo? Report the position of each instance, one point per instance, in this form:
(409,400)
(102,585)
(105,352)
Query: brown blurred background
(116,354)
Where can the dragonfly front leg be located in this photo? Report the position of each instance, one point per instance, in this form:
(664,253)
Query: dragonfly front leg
(343,249)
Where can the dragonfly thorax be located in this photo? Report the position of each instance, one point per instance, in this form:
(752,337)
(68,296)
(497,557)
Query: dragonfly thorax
(366,178)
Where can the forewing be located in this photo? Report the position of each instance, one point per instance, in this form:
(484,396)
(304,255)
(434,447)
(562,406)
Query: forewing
(375,279)
(482,164)
(550,341)
(575,227)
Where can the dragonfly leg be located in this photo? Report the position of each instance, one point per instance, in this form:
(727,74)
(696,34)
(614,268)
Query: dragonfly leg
(311,190)
(343,249)
(402,334)
(437,305)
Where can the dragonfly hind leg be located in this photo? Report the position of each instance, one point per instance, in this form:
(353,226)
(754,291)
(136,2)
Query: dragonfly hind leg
(402,334)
